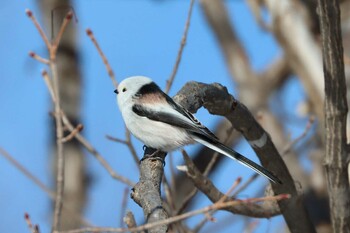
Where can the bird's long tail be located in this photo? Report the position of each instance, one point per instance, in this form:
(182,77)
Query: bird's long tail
(222,149)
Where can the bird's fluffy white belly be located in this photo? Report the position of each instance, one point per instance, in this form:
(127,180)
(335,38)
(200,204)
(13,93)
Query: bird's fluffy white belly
(157,134)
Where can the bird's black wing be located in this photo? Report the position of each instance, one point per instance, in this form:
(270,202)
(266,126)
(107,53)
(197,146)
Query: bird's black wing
(202,137)
(153,89)
(172,119)
(199,132)
(189,115)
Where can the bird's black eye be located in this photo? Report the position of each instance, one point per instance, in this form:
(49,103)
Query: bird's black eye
(116,91)
(124,89)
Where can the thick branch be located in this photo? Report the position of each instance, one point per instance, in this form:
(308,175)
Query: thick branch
(336,159)
(218,101)
(146,192)
(209,189)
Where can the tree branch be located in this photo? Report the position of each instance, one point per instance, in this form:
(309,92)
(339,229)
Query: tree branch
(209,189)
(146,193)
(218,101)
(336,159)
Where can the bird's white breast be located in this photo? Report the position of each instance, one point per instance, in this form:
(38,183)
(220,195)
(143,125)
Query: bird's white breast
(155,134)
(152,133)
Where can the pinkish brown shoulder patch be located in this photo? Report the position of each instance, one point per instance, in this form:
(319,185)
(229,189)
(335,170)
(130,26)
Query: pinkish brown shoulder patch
(152,98)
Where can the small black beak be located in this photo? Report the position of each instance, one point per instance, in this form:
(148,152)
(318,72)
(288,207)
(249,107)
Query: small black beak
(116,91)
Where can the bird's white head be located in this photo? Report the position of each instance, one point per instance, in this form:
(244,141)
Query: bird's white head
(129,87)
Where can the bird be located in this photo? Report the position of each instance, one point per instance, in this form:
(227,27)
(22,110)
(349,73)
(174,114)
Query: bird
(160,123)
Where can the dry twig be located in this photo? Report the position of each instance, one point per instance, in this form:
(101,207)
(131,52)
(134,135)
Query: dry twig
(95,153)
(83,141)
(123,205)
(210,165)
(182,46)
(129,144)
(52,49)
(290,145)
(129,220)
(215,206)
(32,228)
(40,184)
(104,58)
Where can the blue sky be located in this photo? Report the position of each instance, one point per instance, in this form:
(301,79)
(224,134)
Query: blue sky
(139,38)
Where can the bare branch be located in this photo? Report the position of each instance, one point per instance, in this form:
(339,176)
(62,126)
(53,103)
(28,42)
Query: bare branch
(129,220)
(104,58)
(59,136)
(216,100)
(336,160)
(129,144)
(123,205)
(38,58)
(39,28)
(208,188)
(170,220)
(182,46)
(51,194)
(95,153)
(27,173)
(31,227)
(146,193)
(52,49)
(208,168)
(63,27)
(288,147)
(72,134)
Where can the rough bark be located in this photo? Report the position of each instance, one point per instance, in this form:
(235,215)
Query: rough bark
(337,158)
(146,192)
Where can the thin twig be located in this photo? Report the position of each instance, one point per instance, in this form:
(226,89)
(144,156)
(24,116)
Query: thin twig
(129,144)
(28,174)
(221,200)
(233,187)
(56,42)
(177,218)
(210,165)
(168,195)
(40,184)
(32,228)
(38,58)
(95,153)
(116,139)
(289,146)
(245,184)
(60,156)
(216,154)
(123,205)
(172,171)
(85,143)
(132,148)
(129,220)
(39,28)
(104,58)
(48,84)
(54,91)
(72,134)
(63,27)
(170,81)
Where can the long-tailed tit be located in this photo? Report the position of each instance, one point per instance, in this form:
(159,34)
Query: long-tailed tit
(160,123)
